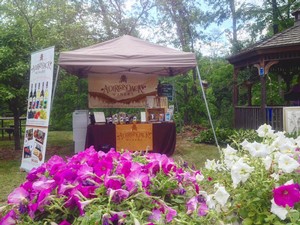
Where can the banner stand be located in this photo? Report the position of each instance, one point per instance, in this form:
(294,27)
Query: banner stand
(38,109)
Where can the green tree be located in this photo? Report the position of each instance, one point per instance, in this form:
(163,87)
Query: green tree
(14,72)
(218,75)
(27,26)
(111,19)
(180,23)
(71,95)
(235,12)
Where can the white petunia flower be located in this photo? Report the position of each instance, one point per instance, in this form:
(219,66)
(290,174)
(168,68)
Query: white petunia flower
(289,182)
(211,203)
(221,195)
(279,211)
(229,151)
(287,164)
(267,162)
(275,176)
(211,165)
(240,172)
(230,156)
(257,149)
(199,177)
(244,143)
(136,222)
(297,141)
(265,131)
(287,148)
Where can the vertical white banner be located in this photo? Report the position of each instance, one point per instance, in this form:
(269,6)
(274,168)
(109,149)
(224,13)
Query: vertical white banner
(38,108)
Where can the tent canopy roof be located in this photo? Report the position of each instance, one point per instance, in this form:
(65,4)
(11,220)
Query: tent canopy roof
(126,54)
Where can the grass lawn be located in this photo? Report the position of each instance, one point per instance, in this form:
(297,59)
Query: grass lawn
(61,143)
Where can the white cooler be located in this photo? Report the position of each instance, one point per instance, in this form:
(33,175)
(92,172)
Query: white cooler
(80,123)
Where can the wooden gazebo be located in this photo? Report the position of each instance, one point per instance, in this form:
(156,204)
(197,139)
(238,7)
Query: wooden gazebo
(280,55)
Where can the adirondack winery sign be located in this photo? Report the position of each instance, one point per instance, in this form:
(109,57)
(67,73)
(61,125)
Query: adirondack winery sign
(120,91)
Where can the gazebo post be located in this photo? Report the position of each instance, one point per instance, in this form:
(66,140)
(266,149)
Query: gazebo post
(235,93)
(263,71)
(263,105)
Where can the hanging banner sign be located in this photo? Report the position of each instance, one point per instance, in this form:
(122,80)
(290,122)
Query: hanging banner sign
(120,91)
(38,108)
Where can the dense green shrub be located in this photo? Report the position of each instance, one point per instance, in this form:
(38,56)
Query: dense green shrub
(227,136)
(238,136)
(207,136)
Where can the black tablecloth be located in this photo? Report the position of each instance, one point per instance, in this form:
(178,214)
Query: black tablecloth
(103,137)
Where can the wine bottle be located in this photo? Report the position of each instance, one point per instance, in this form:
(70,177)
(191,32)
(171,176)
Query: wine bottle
(46,90)
(46,96)
(38,97)
(34,97)
(42,97)
(38,91)
(30,97)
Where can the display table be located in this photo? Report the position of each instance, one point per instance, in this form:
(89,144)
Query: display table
(103,137)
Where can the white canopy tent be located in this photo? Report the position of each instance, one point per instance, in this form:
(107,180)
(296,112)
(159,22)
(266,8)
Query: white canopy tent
(129,55)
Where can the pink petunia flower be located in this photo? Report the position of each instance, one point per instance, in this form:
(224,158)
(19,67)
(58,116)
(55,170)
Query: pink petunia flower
(43,198)
(203,209)
(85,171)
(64,222)
(104,166)
(67,174)
(155,215)
(36,173)
(54,164)
(18,196)
(191,205)
(170,214)
(124,168)
(43,184)
(118,195)
(9,219)
(32,208)
(287,195)
(135,178)
(112,182)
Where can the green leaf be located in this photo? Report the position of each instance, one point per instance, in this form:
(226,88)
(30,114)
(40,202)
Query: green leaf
(247,221)
(294,215)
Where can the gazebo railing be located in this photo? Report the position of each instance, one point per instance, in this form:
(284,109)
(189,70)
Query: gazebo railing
(249,117)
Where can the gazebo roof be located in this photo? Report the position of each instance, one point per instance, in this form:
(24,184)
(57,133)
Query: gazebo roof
(285,42)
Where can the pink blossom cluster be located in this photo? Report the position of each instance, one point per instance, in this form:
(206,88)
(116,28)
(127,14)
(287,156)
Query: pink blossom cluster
(122,175)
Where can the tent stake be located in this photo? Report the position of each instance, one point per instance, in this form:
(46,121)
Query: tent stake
(208,112)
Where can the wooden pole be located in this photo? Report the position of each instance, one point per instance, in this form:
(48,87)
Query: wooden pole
(235,94)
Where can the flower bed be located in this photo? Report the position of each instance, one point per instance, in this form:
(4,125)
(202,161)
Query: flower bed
(257,183)
(107,188)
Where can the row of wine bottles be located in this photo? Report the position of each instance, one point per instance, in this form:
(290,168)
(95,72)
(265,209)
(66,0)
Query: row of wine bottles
(38,96)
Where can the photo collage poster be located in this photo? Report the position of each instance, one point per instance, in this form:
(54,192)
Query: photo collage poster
(34,148)
(38,108)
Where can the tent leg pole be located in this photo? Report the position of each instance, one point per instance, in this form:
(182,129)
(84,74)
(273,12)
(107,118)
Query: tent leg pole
(208,112)
(54,87)
(176,105)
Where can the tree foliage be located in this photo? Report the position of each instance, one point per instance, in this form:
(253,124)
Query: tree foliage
(29,25)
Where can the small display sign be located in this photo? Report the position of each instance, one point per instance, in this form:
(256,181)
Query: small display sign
(167,91)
